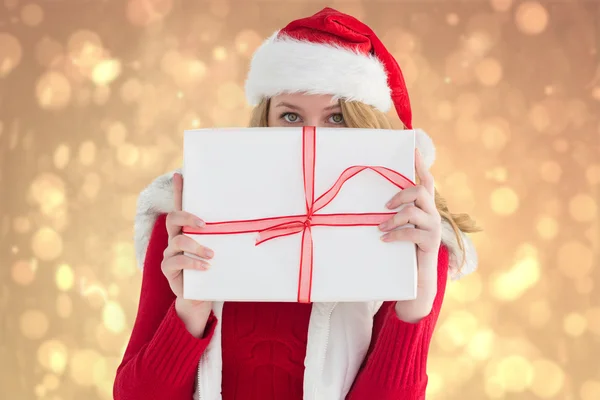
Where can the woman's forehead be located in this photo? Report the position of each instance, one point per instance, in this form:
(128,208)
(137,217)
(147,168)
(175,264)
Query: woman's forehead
(306,102)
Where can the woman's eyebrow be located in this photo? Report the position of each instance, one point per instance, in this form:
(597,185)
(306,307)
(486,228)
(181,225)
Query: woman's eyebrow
(288,105)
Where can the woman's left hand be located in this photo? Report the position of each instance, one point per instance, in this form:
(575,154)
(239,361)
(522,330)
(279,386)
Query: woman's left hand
(419,210)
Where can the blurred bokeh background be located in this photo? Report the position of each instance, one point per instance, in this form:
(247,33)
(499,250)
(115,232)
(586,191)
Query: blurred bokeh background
(94,98)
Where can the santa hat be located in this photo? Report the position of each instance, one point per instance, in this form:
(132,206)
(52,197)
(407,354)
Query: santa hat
(329,53)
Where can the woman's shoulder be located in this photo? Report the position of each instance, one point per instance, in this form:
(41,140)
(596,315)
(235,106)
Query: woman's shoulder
(458,252)
(153,205)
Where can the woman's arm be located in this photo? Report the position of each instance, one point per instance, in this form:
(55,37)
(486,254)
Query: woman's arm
(396,364)
(161,359)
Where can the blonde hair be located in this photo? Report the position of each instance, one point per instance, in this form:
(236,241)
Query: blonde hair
(360,115)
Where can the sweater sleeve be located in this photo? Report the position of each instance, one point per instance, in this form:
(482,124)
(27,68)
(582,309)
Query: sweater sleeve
(162,357)
(396,364)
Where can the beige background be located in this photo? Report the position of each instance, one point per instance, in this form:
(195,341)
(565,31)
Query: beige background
(94,96)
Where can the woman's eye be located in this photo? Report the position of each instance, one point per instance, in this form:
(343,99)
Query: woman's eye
(336,119)
(291,117)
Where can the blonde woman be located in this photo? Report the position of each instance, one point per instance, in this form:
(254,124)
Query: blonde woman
(327,70)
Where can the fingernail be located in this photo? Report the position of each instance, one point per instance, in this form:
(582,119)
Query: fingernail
(203,265)
(383,226)
(200,223)
(385,238)
(389,204)
(210,253)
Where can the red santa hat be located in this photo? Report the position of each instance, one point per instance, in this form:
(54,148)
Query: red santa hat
(329,53)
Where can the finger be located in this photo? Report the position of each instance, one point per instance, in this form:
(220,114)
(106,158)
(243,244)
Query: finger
(177,191)
(408,215)
(181,262)
(424,239)
(182,243)
(418,195)
(178,219)
(425,177)
(413,235)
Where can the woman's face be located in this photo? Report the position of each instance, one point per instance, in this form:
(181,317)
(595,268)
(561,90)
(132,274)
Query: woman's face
(305,110)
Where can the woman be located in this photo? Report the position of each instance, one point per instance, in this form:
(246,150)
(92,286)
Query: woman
(325,70)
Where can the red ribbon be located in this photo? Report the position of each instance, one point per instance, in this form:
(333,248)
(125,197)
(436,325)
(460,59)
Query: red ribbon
(274,227)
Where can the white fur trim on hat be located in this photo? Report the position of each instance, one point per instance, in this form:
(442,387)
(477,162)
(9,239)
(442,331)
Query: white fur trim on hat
(286,65)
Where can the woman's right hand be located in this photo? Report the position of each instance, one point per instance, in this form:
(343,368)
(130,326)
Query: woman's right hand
(194,314)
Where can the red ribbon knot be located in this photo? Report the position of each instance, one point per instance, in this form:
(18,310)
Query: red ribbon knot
(308,221)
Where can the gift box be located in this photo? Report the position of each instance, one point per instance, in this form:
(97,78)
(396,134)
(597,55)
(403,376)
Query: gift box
(292,213)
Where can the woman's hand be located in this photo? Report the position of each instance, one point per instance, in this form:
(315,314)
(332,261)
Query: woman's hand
(419,210)
(194,314)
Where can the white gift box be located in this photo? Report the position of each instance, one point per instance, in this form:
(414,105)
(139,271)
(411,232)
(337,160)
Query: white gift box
(249,183)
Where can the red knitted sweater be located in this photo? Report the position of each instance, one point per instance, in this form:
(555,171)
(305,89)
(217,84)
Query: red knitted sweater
(264,345)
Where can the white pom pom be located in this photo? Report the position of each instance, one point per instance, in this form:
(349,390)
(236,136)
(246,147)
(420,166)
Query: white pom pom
(425,146)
